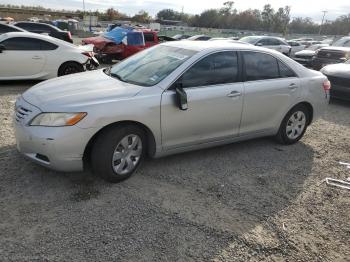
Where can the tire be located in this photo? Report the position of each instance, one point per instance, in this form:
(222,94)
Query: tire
(70,68)
(296,120)
(117,152)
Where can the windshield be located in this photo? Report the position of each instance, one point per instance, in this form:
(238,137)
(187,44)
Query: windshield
(149,67)
(250,39)
(342,42)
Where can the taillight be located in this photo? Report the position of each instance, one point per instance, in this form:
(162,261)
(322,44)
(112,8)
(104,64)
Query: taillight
(89,54)
(326,85)
(69,35)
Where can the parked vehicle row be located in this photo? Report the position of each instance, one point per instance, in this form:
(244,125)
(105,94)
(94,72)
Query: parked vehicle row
(26,55)
(170,98)
(270,42)
(39,28)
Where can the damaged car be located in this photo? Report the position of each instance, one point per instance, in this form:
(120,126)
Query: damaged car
(121,42)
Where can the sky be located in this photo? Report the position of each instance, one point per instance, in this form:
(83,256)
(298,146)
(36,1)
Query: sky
(304,8)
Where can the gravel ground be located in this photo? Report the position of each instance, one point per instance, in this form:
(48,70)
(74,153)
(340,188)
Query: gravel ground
(254,200)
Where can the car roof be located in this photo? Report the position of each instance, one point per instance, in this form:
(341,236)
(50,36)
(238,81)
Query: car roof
(38,36)
(215,45)
(36,23)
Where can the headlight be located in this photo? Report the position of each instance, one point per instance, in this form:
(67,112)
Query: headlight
(57,119)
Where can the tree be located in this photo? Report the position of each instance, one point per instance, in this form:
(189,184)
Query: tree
(267,16)
(142,17)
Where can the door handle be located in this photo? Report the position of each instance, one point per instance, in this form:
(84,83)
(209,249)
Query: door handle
(36,57)
(234,94)
(292,86)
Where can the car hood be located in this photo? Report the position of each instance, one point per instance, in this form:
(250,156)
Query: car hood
(78,90)
(339,70)
(306,53)
(96,40)
(336,48)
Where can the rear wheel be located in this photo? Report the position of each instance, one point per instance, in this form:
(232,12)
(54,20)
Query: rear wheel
(118,152)
(293,125)
(70,68)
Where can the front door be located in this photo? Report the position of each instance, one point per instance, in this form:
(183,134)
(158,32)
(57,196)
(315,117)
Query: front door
(21,58)
(214,94)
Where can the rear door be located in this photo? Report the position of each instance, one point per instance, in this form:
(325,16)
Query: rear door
(23,57)
(214,92)
(271,87)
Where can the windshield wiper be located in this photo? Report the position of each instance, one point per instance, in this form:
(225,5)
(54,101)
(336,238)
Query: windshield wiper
(108,70)
(117,76)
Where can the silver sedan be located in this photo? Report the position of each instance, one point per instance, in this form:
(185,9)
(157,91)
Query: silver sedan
(168,99)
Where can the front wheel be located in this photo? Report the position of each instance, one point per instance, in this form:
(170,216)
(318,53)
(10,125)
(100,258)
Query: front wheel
(117,152)
(293,125)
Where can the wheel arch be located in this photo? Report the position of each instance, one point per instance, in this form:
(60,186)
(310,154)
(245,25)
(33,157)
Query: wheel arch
(309,108)
(67,62)
(151,142)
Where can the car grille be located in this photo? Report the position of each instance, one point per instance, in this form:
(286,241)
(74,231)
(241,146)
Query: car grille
(330,54)
(339,81)
(22,113)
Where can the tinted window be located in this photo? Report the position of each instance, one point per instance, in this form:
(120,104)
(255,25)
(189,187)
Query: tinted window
(285,71)
(6,29)
(259,66)
(149,37)
(35,27)
(274,41)
(264,41)
(25,44)
(203,38)
(219,68)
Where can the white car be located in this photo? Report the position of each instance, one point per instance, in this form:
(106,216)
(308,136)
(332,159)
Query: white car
(296,47)
(270,42)
(25,55)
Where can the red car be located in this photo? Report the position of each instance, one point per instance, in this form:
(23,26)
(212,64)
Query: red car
(107,48)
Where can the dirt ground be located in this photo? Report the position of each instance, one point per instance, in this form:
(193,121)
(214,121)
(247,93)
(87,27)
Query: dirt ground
(249,201)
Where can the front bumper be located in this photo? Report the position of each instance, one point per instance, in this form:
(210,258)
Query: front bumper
(58,148)
(304,61)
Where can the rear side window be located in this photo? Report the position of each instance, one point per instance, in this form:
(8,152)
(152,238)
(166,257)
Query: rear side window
(148,37)
(260,66)
(6,29)
(285,71)
(218,68)
(27,44)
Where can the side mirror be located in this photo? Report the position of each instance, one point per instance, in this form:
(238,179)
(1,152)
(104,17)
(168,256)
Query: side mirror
(2,48)
(259,44)
(181,97)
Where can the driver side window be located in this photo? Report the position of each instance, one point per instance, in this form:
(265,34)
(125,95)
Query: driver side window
(215,69)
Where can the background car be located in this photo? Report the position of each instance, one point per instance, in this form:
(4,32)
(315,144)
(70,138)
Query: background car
(180,37)
(6,28)
(296,47)
(42,28)
(338,52)
(25,55)
(199,38)
(305,57)
(339,76)
(270,42)
(121,43)
(171,98)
